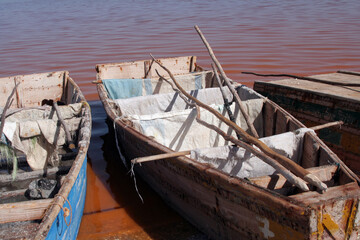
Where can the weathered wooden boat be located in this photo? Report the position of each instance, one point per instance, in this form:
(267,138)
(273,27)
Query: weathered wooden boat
(44,144)
(224,190)
(323,98)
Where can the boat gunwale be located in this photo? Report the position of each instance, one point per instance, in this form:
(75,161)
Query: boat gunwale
(277,84)
(112,64)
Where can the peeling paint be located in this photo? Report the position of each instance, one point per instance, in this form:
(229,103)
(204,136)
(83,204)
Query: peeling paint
(330,225)
(265,229)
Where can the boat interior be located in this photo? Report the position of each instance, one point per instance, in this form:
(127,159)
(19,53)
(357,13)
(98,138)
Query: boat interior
(164,116)
(35,155)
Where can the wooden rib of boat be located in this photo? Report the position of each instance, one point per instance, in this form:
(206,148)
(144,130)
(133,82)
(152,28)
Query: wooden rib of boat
(332,97)
(220,188)
(42,169)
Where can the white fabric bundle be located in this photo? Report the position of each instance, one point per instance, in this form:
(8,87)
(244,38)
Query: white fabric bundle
(243,164)
(33,133)
(168,119)
(147,105)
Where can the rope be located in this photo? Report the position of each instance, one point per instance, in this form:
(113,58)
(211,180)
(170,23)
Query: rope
(66,211)
(132,174)
(117,144)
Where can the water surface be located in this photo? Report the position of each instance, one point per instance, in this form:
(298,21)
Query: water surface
(298,37)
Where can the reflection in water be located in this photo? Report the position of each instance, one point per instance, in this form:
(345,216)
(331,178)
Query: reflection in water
(113,209)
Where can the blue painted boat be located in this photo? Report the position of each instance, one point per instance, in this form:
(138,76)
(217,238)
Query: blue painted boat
(43,149)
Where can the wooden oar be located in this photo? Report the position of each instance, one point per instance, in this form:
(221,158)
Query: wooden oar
(287,163)
(228,83)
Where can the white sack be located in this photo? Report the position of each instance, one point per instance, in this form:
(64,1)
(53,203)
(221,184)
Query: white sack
(167,102)
(179,130)
(196,80)
(31,132)
(241,163)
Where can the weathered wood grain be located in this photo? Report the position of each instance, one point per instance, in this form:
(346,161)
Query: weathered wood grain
(138,69)
(23,211)
(34,90)
(277,181)
(51,86)
(226,207)
(319,103)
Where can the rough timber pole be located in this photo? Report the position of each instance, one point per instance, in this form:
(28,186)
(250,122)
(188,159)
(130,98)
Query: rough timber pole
(230,86)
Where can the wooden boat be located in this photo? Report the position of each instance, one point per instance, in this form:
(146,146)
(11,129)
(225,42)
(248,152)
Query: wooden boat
(217,187)
(43,170)
(323,98)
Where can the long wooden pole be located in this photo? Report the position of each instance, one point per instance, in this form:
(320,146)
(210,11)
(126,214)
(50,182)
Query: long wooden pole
(159,157)
(226,101)
(326,125)
(287,163)
(278,167)
(66,129)
(6,107)
(285,172)
(228,83)
(240,143)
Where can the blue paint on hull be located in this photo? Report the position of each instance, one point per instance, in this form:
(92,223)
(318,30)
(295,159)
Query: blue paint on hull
(59,229)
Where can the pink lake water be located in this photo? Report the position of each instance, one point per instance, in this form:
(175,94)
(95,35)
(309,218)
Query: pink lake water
(294,37)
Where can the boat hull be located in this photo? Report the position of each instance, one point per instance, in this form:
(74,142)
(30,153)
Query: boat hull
(228,207)
(76,198)
(58,215)
(201,197)
(318,103)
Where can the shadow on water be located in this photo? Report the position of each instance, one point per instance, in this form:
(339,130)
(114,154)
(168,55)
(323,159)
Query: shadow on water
(113,209)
